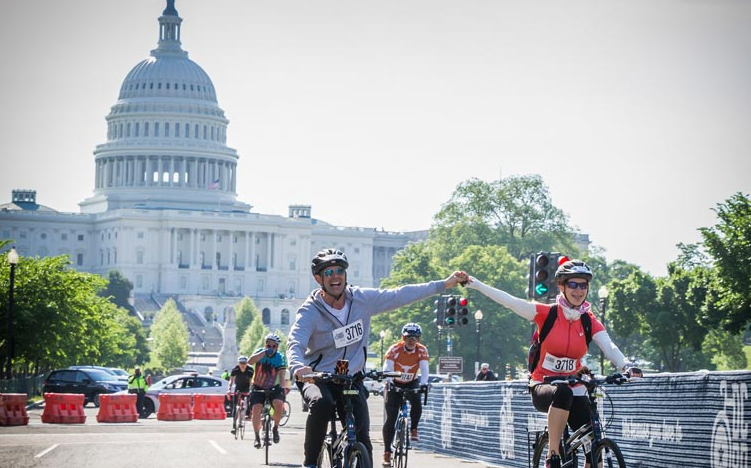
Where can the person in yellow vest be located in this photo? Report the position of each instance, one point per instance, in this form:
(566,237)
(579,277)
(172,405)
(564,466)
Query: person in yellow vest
(137,385)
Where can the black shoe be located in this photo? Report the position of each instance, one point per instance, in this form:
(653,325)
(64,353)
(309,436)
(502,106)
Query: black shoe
(275,433)
(553,462)
(232,431)
(257,443)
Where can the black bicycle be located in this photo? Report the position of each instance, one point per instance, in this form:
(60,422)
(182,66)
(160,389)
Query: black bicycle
(401,445)
(588,442)
(267,419)
(341,448)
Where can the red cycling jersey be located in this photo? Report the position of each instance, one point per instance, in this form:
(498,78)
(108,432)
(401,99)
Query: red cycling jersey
(565,345)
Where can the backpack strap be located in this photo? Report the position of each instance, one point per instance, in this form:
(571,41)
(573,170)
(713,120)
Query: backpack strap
(549,322)
(587,325)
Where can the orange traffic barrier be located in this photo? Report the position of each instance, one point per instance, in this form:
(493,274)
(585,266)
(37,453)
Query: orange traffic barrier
(117,408)
(64,408)
(208,406)
(13,409)
(174,407)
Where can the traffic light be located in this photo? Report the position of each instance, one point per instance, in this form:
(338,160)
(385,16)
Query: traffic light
(463,311)
(543,266)
(451,311)
(440,311)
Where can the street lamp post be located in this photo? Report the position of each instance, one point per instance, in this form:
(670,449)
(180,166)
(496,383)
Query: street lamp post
(602,294)
(382,334)
(478,322)
(12,261)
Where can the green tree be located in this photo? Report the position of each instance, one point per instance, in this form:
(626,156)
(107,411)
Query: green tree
(254,335)
(59,317)
(515,212)
(118,290)
(729,244)
(170,338)
(245,315)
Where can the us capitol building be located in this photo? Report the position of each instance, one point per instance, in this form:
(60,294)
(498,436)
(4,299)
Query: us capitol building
(164,211)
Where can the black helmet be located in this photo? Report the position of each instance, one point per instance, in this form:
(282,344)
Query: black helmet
(573,269)
(326,258)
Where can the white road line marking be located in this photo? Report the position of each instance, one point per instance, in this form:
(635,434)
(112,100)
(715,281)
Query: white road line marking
(45,452)
(218,448)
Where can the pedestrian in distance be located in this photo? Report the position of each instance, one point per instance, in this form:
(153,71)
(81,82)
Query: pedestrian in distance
(561,351)
(485,374)
(269,373)
(332,325)
(409,357)
(138,386)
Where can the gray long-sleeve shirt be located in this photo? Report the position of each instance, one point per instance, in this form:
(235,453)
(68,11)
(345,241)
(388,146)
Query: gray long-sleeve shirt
(313,332)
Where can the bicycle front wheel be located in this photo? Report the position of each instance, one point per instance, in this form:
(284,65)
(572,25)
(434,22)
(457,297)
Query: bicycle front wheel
(325,457)
(287,410)
(541,451)
(357,456)
(609,455)
(401,444)
(267,434)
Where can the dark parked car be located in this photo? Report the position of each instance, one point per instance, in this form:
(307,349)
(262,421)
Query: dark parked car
(118,373)
(90,382)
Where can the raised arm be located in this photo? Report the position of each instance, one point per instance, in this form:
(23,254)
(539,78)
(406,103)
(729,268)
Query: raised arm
(520,307)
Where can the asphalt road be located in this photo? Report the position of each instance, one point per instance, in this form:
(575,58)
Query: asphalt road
(164,444)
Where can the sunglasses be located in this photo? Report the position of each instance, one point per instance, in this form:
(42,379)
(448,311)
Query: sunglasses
(330,271)
(575,285)
(272,346)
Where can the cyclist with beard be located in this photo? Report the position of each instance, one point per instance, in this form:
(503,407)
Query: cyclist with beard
(334,324)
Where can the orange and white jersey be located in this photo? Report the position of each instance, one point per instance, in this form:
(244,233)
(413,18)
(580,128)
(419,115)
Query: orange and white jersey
(399,359)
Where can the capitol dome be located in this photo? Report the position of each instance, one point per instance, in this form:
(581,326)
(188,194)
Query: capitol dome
(166,136)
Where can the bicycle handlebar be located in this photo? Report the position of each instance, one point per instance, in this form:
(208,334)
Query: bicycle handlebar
(590,381)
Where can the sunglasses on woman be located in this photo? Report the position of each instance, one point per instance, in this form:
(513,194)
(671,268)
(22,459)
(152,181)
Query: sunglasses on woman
(576,284)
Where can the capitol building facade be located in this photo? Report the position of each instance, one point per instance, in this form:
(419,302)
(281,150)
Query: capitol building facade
(164,211)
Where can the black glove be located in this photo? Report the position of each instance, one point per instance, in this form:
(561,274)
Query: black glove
(424,388)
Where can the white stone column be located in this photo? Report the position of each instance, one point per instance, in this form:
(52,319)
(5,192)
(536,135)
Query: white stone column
(247,249)
(252,263)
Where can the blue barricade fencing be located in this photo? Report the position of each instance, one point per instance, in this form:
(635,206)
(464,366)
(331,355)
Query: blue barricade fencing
(696,419)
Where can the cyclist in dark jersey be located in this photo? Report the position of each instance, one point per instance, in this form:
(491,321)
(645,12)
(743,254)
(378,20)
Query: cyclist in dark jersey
(241,376)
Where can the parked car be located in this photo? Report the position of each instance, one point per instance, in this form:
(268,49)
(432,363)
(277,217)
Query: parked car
(373,386)
(119,374)
(89,381)
(442,378)
(183,383)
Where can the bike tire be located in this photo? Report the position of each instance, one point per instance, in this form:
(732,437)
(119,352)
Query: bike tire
(400,445)
(267,435)
(325,457)
(235,421)
(287,410)
(541,450)
(610,454)
(357,456)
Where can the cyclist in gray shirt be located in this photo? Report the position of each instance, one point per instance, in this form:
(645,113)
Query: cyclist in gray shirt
(334,324)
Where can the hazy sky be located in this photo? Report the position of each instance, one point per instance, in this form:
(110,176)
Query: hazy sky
(635,113)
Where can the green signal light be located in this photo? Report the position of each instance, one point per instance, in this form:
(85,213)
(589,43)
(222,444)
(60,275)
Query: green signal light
(450,320)
(541,289)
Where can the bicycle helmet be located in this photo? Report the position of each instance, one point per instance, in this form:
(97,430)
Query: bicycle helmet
(326,258)
(273,337)
(573,269)
(411,329)
(242,359)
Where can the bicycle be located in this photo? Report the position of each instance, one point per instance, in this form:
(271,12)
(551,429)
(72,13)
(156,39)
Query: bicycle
(239,408)
(589,439)
(341,449)
(267,419)
(285,414)
(401,444)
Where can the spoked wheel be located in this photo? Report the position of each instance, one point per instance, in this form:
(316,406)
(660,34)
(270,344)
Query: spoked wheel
(241,423)
(401,442)
(609,454)
(287,410)
(541,451)
(357,457)
(266,434)
(236,421)
(326,457)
